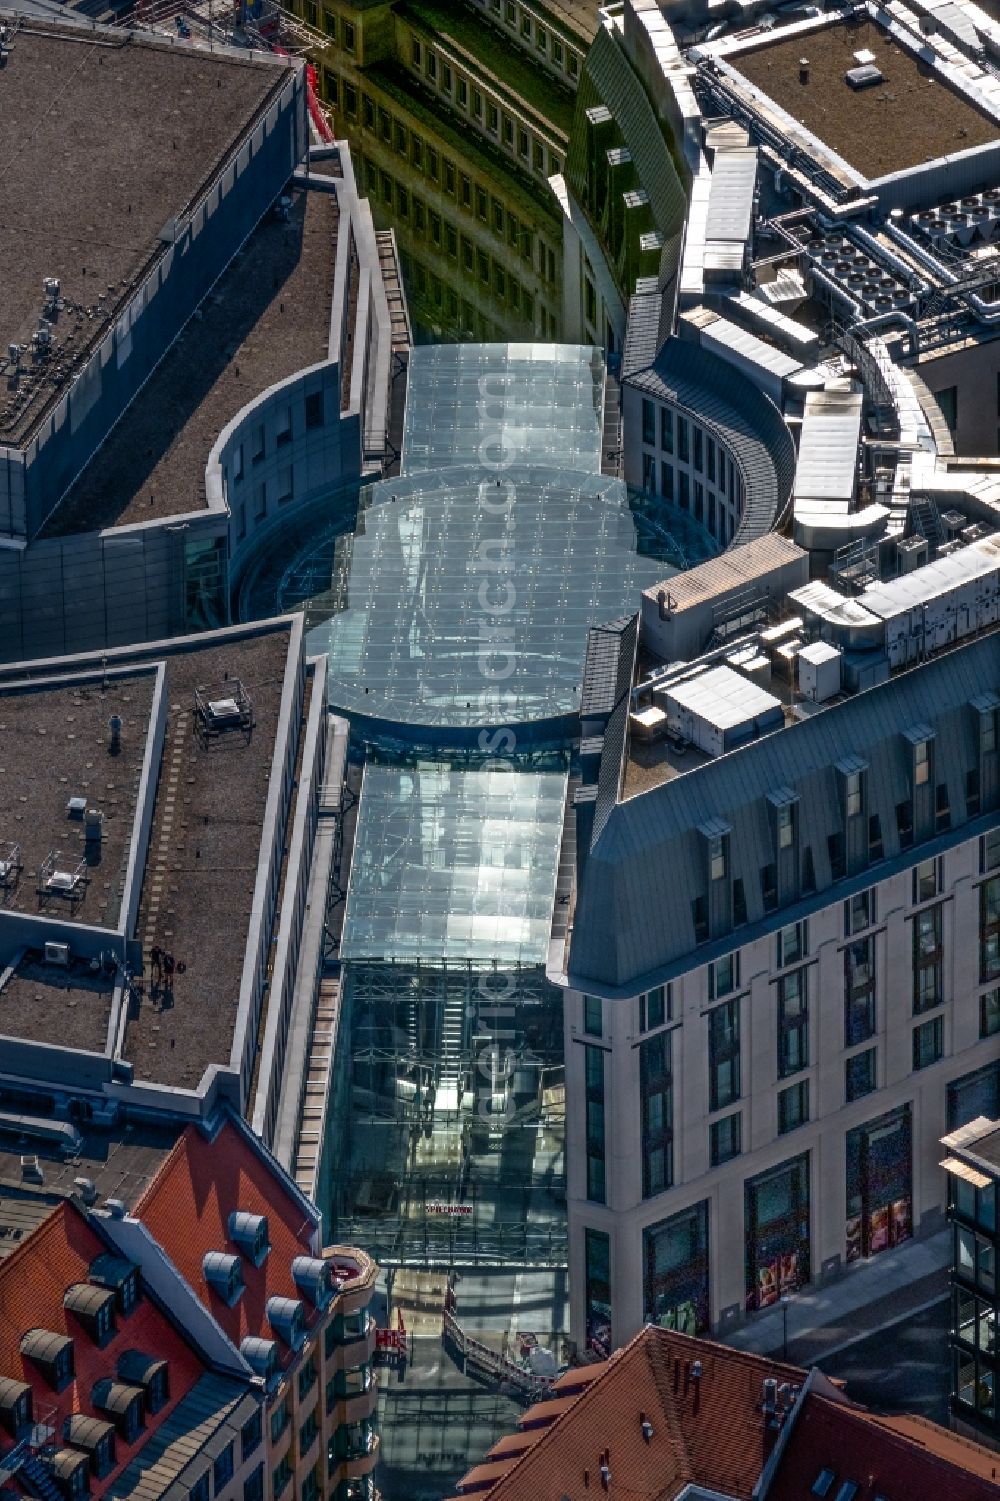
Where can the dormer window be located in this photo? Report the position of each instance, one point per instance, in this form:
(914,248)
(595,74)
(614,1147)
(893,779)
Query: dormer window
(261,1355)
(52,1354)
(224,1275)
(135,1368)
(123,1405)
(287,1318)
(95,1309)
(95,1437)
(120,1276)
(249,1232)
(71,1472)
(312,1277)
(15,1406)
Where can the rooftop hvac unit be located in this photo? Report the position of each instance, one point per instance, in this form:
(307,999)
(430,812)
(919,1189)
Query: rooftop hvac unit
(863,78)
(57,953)
(976,532)
(911,553)
(953,522)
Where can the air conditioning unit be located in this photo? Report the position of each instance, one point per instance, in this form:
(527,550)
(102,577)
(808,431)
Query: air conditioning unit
(57,953)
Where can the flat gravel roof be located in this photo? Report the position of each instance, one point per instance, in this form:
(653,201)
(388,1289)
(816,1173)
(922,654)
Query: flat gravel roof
(266,318)
(913,116)
(106,137)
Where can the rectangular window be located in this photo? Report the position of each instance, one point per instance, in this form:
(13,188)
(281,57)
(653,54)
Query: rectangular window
(859,912)
(283,426)
(837,851)
(656,1117)
(222,1470)
(594,1076)
(432,67)
(925,881)
(592,1019)
(876,847)
(446,78)
(928,1043)
(684,490)
(314,410)
(793,944)
(927,959)
(859,991)
(921,763)
(416,52)
(683,444)
(648,422)
(904,823)
(786,826)
(257,445)
(724,976)
(675,1271)
(655,1008)
(724,1055)
(853,789)
(717,857)
(251,1435)
(859,1075)
(699,459)
(989,1013)
(238,463)
(253,1488)
(793,1107)
(769,887)
(666,430)
(989,929)
(793,1023)
(666,480)
(597,1255)
(477,104)
(726,1138)
(989,850)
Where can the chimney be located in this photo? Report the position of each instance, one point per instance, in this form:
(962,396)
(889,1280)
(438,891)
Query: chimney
(647,1428)
(803,70)
(770,1400)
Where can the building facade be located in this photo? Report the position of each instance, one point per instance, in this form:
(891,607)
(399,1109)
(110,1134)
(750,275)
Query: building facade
(458,116)
(973,1169)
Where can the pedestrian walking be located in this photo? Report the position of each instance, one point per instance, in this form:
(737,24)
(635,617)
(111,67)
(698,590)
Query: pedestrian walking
(168,968)
(156,963)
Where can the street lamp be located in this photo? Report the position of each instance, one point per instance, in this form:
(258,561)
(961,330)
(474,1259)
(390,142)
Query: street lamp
(785,1300)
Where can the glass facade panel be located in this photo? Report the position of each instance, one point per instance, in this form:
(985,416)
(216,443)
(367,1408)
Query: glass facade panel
(598,1291)
(675,1271)
(879,1184)
(454,865)
(777,1232)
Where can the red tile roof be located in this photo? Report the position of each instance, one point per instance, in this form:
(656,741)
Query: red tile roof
(710,1430)
(33,1281)
(187,1207)
(896,1459)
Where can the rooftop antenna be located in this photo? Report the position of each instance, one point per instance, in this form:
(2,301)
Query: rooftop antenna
(115,726)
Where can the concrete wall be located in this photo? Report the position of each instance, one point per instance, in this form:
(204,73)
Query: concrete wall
(626,1214)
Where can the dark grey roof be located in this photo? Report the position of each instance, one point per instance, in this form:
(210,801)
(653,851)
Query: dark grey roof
(643,331)
(646,862)
(606,669)
(180,1440)
(745,421)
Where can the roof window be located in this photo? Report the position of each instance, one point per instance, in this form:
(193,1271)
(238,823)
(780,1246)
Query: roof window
(224,1274)
(123,1405)
(95,1437)
(287,1318)
(824,1480)
(15,1405)
(52,1354)
(95,1309)
(312,1277)
(261,1355)
(136,1368)
(249,1231)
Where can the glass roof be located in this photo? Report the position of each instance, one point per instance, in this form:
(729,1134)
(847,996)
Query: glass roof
(454,865)
(499,404)
(464,599)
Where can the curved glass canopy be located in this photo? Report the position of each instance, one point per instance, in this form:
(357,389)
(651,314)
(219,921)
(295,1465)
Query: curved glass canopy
(463,599)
